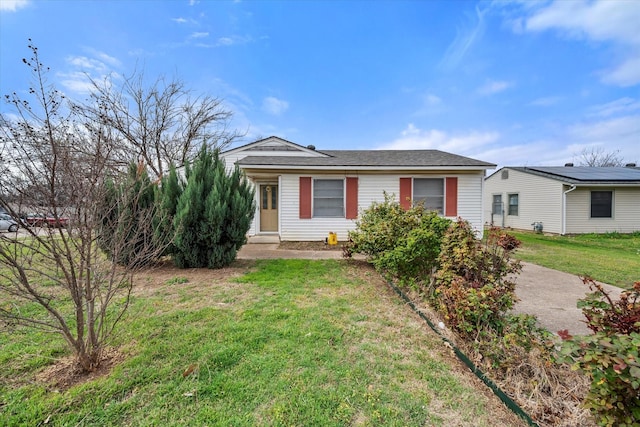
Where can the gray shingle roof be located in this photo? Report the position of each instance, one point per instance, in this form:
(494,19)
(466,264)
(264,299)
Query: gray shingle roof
(371,159)
(586,175)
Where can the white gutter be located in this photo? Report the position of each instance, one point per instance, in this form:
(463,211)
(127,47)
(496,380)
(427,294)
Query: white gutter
(564,209)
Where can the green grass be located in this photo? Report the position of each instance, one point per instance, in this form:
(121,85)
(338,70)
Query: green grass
(291,342)
(610,258)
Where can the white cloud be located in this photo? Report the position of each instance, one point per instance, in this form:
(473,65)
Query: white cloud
(76,81)
(413,138)
(87,64)
(622,105)
(233,40)
(601,21)
(179,20)
(546,101)
(464,40)
(199,35)
(492,87)
(98,66)
(596,20)
(615,133)
(274,105)
(13,5)
(625,74)
(432,100)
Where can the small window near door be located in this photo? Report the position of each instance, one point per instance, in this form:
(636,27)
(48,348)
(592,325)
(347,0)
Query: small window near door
(328,198)
(497,204)
(513,204)
(601,204)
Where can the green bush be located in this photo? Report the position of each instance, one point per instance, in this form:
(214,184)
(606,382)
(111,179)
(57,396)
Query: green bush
(167,196)
(126,232)
(610,356)
(401,243)
(472,287)
(213,214)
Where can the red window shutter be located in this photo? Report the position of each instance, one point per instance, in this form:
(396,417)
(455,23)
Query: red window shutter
(305,197)
(352,198)
(405,193)
(451,197)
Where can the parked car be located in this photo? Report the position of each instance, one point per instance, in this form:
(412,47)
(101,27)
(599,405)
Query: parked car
(42,220)
(7,223)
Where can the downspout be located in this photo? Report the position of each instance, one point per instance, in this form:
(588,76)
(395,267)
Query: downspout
(564,209)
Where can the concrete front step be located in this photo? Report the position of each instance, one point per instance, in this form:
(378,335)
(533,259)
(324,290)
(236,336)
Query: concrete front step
(264,238)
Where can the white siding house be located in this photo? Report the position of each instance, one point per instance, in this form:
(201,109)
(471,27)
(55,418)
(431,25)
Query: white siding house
(564,200)
(302,194)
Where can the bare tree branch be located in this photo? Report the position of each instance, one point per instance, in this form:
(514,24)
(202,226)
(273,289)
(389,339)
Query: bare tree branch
(161,124)
(54,160)
(597,156)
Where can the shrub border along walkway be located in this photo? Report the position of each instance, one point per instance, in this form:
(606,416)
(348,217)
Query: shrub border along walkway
(513,406)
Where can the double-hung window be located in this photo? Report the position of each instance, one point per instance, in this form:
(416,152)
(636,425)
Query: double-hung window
(513,204)
(602,204)
(496,208)
(430,192)
(328,198)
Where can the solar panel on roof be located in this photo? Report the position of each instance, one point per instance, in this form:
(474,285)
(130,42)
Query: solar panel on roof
(593,173)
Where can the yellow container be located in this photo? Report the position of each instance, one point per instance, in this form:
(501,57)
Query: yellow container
(333,238)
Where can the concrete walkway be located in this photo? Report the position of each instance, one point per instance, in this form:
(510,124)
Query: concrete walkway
(548,294)
(552,295)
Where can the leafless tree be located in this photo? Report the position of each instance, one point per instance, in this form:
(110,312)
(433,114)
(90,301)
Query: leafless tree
(597,156)
(54,162)
(161,124)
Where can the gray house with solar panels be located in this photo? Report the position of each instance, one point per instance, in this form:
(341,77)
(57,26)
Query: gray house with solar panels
(564,200)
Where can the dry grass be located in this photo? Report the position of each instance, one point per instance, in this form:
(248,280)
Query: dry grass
(551,394)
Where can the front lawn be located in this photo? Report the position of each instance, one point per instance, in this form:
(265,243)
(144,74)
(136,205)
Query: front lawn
(277,342)
(610,258)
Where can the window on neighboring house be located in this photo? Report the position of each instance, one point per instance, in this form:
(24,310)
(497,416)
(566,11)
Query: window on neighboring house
(602,204)
(513,204)
(497,204)
(429,191)
(328,198)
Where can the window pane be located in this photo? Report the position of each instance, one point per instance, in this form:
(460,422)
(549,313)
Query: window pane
(513,204)
(328,198)
(264,197)
(429,191)
(274,197)
(601,202)
(497,204)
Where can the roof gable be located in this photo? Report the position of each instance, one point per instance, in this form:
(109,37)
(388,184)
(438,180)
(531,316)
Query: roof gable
(274,144)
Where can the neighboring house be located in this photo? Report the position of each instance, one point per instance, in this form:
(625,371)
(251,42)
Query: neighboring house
(303,194)
(565,200)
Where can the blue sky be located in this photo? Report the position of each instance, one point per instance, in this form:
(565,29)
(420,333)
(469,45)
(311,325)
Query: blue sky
(512,82)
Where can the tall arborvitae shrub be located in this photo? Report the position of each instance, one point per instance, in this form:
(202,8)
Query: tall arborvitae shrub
(213,215)
(167,195)
(126,233)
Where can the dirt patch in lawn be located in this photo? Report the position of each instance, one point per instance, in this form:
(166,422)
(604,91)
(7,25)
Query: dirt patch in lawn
(311,246)
(66,373)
